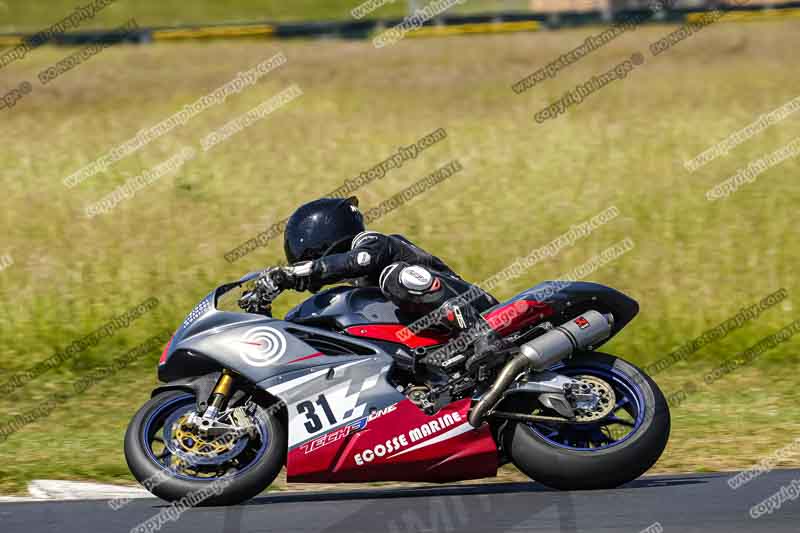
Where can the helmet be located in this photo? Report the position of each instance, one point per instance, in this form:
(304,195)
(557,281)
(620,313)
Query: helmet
(324,226)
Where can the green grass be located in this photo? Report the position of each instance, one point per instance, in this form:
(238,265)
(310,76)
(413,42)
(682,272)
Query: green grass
(694,263)
(23,15)
(26,15)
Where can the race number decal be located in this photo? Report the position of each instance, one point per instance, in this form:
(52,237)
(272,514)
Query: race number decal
(317,405)
(313,423)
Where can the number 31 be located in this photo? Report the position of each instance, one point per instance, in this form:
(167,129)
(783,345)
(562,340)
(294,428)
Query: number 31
(307,408)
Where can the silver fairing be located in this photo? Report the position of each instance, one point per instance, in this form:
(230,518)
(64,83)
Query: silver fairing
(285,359)
(260,347)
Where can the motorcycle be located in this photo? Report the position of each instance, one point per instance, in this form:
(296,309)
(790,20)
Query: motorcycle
(338,391)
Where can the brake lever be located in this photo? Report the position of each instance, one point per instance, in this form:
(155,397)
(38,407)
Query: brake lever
(244,300)
(251,303)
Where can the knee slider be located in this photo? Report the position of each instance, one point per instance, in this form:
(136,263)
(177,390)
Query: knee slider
(416,279)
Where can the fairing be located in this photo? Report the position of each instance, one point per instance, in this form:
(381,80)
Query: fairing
(559,301)
(346,420)
(399,443)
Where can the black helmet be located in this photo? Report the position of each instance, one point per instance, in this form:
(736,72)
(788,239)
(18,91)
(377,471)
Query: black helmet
(324,226)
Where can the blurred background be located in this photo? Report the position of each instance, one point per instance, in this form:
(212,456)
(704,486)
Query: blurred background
(22,15)
(695,263)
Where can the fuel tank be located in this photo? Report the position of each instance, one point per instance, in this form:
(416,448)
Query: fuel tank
(343,306)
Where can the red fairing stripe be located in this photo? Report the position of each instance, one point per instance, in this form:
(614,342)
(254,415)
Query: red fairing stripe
(395,333)
(318,354)
(517,315)
(164,354)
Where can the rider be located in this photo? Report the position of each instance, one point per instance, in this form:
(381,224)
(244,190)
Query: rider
(326,242)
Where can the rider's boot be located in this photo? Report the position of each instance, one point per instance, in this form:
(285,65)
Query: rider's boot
(472,329)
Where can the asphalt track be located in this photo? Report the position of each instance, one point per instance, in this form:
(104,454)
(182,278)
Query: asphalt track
(702,502)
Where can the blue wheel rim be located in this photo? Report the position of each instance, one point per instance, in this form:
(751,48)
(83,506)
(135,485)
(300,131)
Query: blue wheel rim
(164,412)
(590,437)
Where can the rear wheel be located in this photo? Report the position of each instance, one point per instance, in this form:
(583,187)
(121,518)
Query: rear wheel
(173,461)
(616,442)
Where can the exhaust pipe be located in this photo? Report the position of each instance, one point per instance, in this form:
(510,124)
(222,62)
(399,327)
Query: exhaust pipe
(543,352)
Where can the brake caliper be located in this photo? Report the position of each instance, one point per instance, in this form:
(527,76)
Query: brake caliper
(593,399)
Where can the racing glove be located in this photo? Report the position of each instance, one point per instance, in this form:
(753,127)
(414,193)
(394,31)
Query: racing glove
(270,284)
(299,276)
(277,279)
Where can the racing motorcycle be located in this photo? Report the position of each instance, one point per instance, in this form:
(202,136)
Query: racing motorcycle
(338,391)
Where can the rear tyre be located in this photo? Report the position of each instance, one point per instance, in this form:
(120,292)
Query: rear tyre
(569,457)
(253,469)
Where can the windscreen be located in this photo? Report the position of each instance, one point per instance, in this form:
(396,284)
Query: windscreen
(228,295)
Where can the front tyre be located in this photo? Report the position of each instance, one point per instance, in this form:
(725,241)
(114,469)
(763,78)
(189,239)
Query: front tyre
(171,464)
(602,454)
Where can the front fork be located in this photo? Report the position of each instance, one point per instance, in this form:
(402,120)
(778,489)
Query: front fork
(218,400)
(220,395)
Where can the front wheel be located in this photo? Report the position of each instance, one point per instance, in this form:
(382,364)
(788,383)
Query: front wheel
(173,462)
(627,437)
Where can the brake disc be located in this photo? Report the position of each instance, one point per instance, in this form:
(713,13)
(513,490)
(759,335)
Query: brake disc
(188,445)
(603,403)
